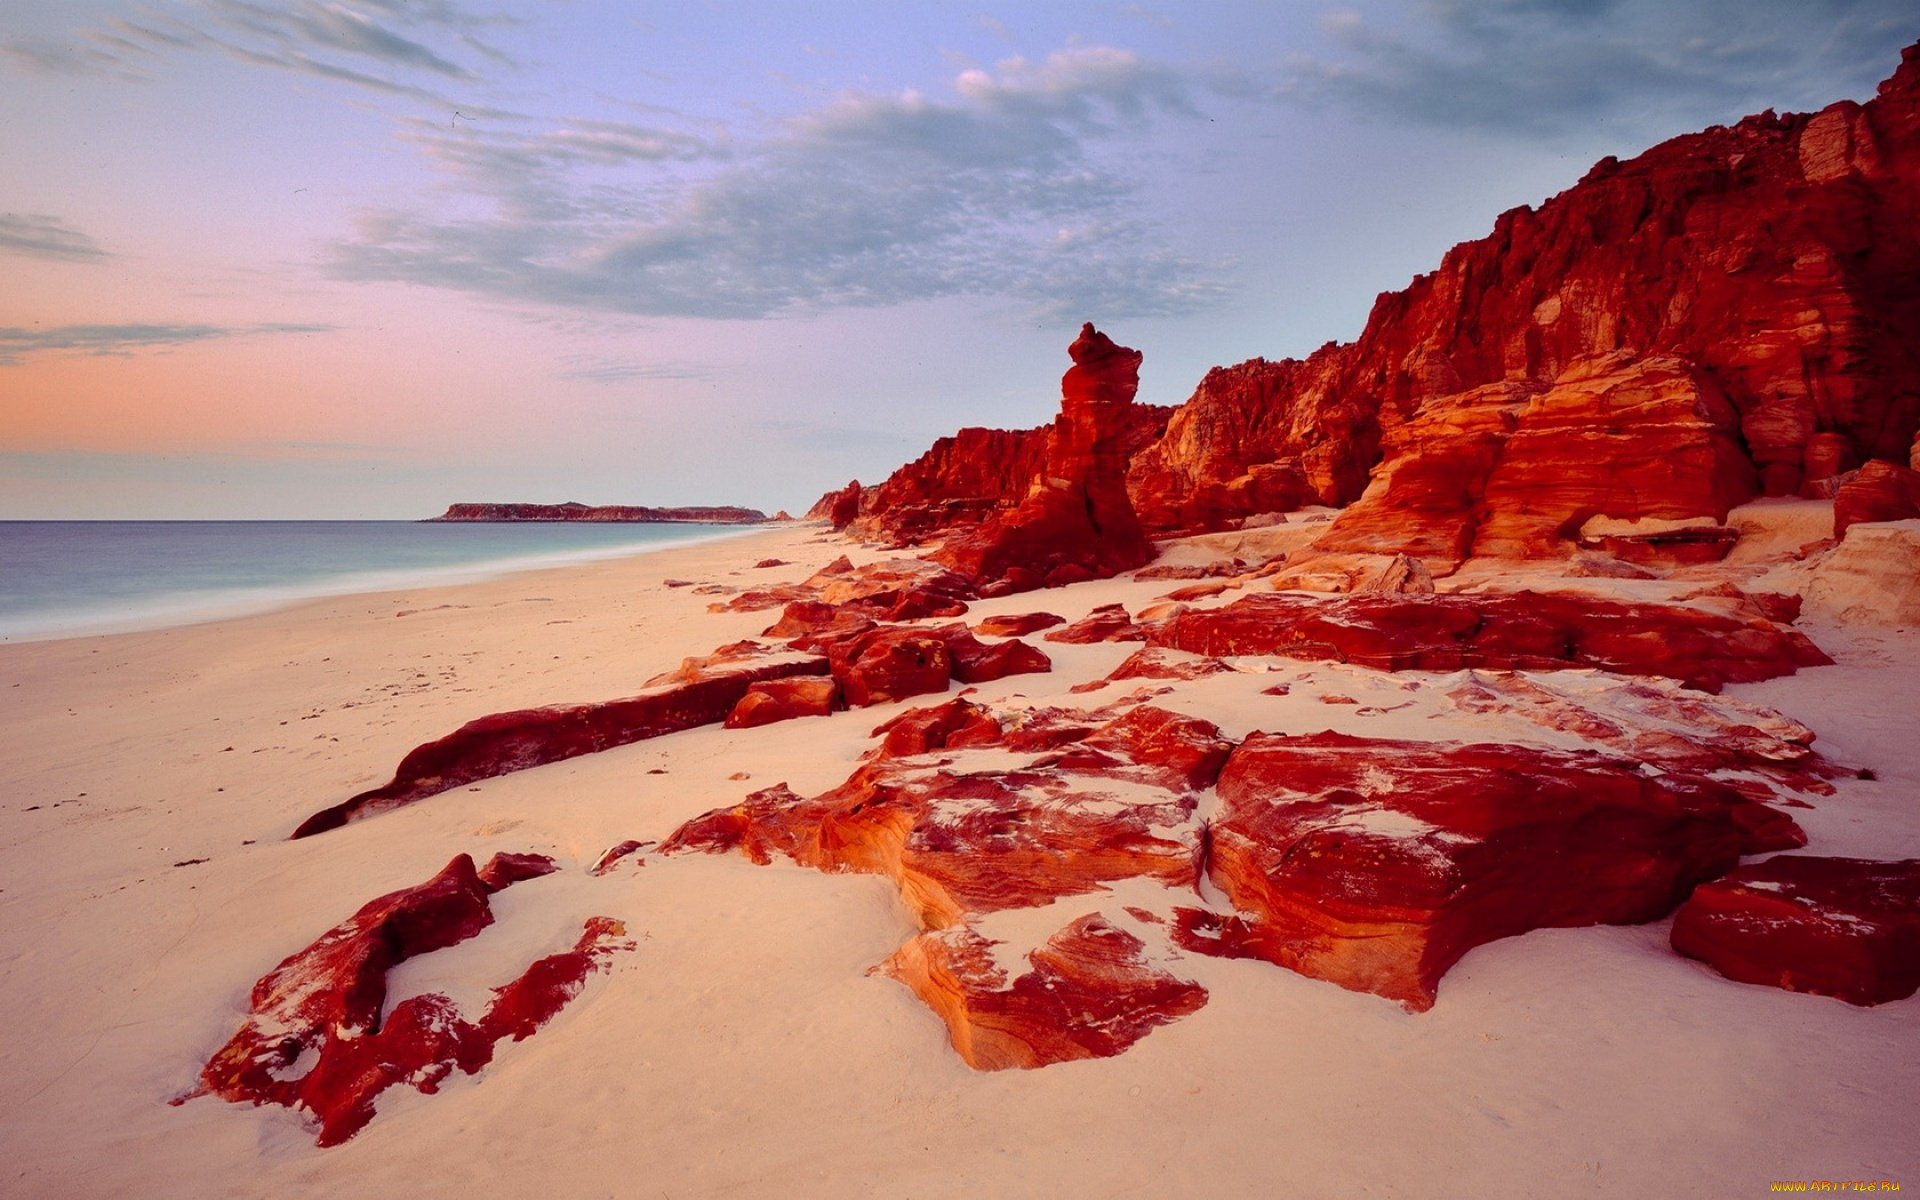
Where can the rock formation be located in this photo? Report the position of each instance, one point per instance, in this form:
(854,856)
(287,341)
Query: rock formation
(1375,864)
(1843,927)
(1076,522)
(703,691)
(1728,314)
(1523,630)
(315,1039)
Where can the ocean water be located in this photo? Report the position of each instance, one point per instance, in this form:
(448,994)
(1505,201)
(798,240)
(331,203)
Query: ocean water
(66,578)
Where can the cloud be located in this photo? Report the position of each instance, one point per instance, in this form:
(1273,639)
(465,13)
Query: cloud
(867,200)
(623,372)
(16,344)
(1548,67)
(37,235)
(395,46)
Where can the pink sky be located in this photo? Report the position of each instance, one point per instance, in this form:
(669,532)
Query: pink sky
(366,259)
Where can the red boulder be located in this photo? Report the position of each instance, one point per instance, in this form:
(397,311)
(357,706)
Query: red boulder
(1843,927)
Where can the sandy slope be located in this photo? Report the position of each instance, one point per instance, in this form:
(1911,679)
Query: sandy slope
(741,1050)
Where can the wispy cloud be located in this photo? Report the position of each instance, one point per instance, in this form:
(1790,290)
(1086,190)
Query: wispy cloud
(626,372)
(397,46)
(16,344)
(866,200)
(1544,67)
(37,235)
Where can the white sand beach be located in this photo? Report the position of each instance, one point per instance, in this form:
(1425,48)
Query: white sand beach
(149,781)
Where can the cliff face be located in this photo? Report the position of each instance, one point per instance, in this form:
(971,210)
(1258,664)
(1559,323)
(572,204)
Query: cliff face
(1731,313)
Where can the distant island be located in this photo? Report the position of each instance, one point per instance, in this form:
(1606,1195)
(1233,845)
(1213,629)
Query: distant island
(725,514)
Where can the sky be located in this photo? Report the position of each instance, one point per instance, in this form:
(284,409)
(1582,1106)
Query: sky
(363,259)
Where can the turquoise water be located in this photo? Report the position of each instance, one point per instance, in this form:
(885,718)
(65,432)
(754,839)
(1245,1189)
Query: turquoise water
(63,578)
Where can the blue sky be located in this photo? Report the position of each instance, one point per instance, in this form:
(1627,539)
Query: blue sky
(363,259)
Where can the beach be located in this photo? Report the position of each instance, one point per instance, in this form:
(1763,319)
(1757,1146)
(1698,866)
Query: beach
(742,1048)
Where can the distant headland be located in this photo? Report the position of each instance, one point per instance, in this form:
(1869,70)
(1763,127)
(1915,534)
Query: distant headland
(725,514)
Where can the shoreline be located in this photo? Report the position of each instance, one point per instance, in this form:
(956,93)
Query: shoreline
(172,610)
(743,1047)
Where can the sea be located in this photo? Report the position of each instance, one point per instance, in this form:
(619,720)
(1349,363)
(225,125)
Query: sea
(71,578)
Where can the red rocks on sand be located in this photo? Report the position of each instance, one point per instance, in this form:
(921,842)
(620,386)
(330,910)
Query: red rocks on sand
(1376,864)
(315,1039)
(1524,630)
(702,692)
(1843,927)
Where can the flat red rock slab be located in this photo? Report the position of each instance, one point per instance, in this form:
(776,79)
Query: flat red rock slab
(315,1040)
(502,743)
(1017,625)
(1108,623)
(1842,927)
(1520,630)
(1090,994)
(1376,864)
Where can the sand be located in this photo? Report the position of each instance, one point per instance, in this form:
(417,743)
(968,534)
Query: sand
(150,781)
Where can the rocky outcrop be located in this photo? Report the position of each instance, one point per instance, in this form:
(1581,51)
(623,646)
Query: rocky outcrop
(1076,522)
(1090,993)
(895,589)
(1517,630)
(1843,927)
(1879,491)
(1728,314)
(575,511)
(1376,864)
(1515,470)
(315,1038)
(1083,801)
(703,691)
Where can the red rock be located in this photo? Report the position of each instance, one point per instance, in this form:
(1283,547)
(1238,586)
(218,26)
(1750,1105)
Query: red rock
(922,730)
(975,661)
(1827,455)
(706,691)
(315,1040)
(1843,927)
(1107,623)
(1090,994)
(1658,722)
(1748,289)
(504,870)
(889,590)
(1076,522)
(1155,662)
(1376,864)
(1513,470)
(810,618)
(1095,802)
(1017,625)
(1520,630)
(784,699)
(1878,491)
(890,663)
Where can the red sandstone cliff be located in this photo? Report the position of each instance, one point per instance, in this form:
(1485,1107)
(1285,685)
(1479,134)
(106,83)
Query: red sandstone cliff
(1731,313)
(1077,521)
